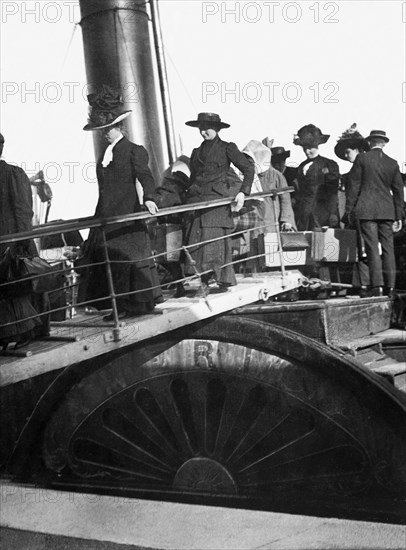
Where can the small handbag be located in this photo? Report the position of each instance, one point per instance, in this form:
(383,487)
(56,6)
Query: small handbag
(294,240)
(31,266)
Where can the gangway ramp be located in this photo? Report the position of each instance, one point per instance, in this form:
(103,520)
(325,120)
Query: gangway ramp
(87,336)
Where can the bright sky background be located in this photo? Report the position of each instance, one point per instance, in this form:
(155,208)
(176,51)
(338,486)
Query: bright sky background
(267,68)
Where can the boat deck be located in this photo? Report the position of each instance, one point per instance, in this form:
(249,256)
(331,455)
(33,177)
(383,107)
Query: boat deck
(87,335)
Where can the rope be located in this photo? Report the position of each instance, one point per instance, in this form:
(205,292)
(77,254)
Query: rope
(319,284)
(167,54)
(75,26)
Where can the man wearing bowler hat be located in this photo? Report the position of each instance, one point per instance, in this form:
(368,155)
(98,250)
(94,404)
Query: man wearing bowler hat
(375,198)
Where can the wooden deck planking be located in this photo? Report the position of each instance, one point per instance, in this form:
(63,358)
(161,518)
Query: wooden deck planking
(92,337)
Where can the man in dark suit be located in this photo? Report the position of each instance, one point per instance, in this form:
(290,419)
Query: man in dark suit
(318,178)
(375,198)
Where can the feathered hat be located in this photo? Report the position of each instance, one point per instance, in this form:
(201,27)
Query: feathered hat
(350,139)
(310,136)
(106,108)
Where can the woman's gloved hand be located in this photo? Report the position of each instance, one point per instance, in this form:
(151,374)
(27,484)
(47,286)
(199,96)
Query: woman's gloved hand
(151,207)
(285,226)
(239,202)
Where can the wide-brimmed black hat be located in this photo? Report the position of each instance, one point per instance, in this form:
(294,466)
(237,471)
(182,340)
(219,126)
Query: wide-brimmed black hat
(106,108)
(378,134)
(350,143)
(207,119)
(310,136)
(350,139)
(279,153)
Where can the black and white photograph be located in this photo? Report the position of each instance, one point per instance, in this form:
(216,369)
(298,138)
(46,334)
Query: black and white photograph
(202,274)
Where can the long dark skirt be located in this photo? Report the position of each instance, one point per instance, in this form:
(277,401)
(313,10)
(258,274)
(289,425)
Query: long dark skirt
(130,273)
(12,310)
(213,255)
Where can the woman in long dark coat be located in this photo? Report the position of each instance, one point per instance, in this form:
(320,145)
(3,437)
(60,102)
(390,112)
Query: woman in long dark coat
(15,216)
(209,165)
(129,249)
(348,147)
(318,178)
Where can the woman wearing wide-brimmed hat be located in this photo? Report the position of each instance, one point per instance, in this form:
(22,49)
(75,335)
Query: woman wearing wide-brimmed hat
(209,165)
(349,145)
(318,178)
(118,169)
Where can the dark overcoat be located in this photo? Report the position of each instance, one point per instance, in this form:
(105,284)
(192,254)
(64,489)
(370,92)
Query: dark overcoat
(317,197)
(129,242)
(290,174)
(209,165)
(172,192)
(15,201)
(16,216)
(375,187)
(375,200)
(118,196)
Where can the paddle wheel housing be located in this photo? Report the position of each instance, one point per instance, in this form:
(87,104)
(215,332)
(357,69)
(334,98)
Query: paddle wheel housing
(231,410)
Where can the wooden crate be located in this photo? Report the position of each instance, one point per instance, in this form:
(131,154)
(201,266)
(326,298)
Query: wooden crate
(333,322)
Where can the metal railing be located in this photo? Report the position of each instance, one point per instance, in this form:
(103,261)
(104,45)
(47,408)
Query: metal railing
(60,227)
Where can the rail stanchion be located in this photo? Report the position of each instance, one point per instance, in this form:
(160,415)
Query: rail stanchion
(116,329)
(193,264)
(278,236)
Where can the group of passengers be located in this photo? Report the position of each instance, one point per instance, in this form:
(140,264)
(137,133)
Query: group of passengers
(216,170)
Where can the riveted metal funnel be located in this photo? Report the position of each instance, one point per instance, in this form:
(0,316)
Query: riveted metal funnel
(119,52)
